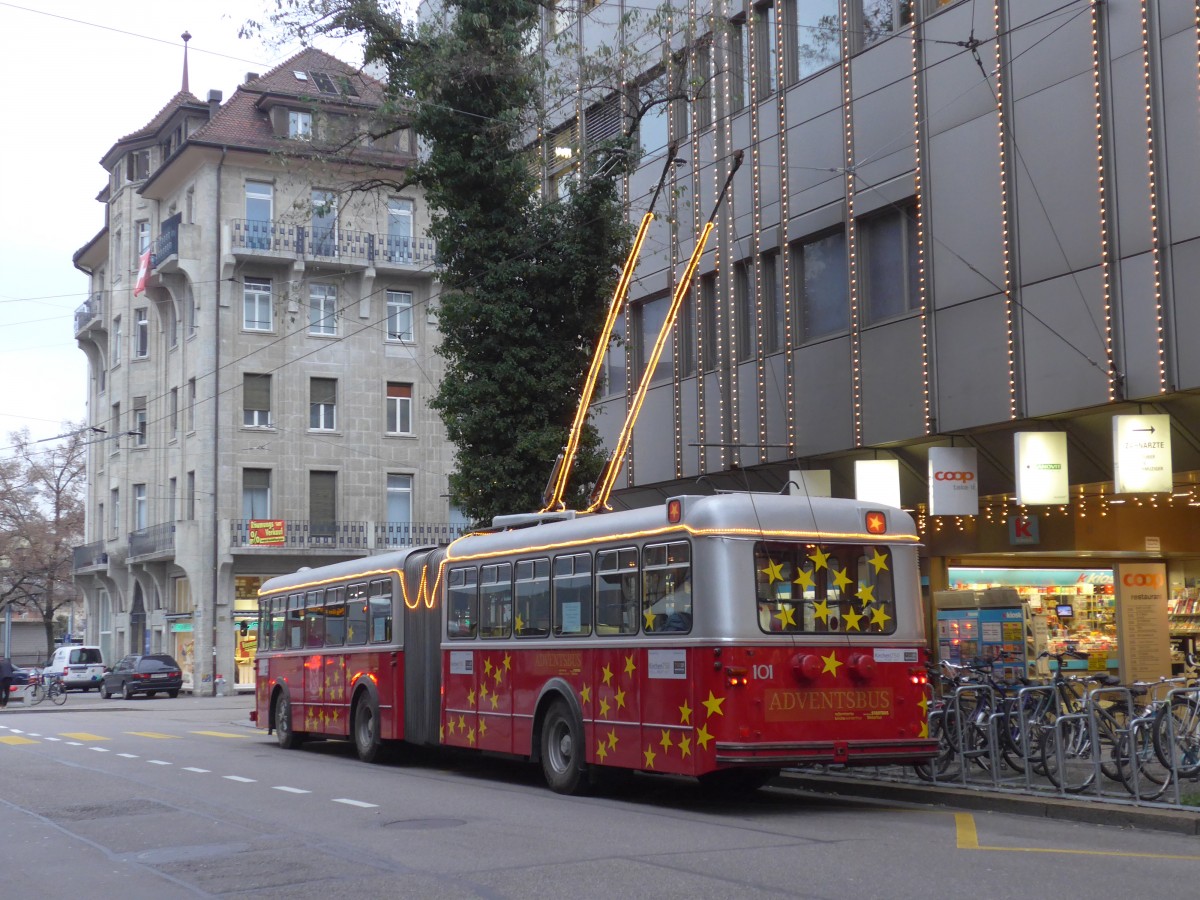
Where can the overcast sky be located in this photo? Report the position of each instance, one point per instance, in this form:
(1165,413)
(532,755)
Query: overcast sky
(80,74)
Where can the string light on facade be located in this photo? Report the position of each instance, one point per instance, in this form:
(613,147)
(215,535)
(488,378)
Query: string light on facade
(1152,178)
(782,27)
(851,229)
(1002,136)
(918,191)
(697,294)
(752,92)
(1101,183)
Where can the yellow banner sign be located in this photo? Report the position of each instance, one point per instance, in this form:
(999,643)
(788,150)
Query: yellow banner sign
(267,531)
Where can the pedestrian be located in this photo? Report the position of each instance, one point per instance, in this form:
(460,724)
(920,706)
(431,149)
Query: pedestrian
(6,674)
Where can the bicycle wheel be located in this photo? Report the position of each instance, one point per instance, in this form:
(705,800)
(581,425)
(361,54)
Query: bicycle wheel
(37,693)
(936,767)
(1177,741)
(1074,772)
(58,694)
(1142,773)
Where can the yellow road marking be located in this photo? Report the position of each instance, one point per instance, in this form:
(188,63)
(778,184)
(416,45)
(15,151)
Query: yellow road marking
(220,734)
(83,736)
(14,739)
(968,839)
(153,734)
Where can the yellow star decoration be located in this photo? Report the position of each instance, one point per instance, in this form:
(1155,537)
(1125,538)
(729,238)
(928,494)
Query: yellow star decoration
(685,747)
(924,732)
(685,714)
(831,663)
(649,754)
(841,579)
(604,707)
(483,691)
(878,560)
(786,617)
(851,618)
(601,751)
(866,593)
(620,698)
(607,673)
(924,704)
(441,732)
(879,617)
(630,668)
(482,728)
(519,624)
(487,667)
(350,634)
(703,737)
(499,675)
(649,617)
(821,610)
(612,740)
(450,724)
(773,571)
(471,737)
(471,697)
(820,559)
(804,579)
(462,724)
(495,699)
(507,662)
(586,694)
(666,742)
(713,705)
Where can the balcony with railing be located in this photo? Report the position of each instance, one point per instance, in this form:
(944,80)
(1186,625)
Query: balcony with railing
(90,314)
(323,243)
(297,534)
(416,534)
(157,540)
(88,557)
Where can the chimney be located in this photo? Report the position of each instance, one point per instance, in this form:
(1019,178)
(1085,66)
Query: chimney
(251,76)
(214,102)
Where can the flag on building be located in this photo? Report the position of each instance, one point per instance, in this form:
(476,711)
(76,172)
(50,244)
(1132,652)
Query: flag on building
(143,272)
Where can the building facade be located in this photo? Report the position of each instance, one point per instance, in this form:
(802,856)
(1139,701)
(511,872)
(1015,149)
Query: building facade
(956,222)
(261,355)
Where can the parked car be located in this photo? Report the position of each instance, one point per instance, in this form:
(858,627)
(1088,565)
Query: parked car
(80,667)
(18,680)
(156,673)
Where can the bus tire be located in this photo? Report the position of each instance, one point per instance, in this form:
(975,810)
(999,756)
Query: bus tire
(563,750)
(366,727)
(284,733)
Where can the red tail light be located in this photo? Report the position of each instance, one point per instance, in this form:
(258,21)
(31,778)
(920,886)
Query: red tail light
(736,676)
(918,676)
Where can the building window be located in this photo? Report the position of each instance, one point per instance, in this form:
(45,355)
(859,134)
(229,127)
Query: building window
(190,499)
(259,212)
(322,309)
(143,240)
(256,493)
(322,404)
(256,304)
(615,361)
(820,275)
(172,497)
(399,499)
(324,224)
(399,316)
(137,165)
(191,405)
(141,334)
(650,317)
(174,413)
(400,231)
(300,125)
(138,422)
(765,50)
(739,64)
(322,503)
(256,401)
(114,346)
(653,129)
(191,317)
(685,336)
(114,432)
(705,90)
(774,320)
(817,35)
(743,307)
(139,507)
(883,18)
(114,510)
(399,408)
(888,249)
(708,321)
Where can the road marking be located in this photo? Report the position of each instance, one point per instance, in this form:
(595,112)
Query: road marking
(240,778)
(225,734)
(73,744)
(968,839)
(16,740)
(56,740)
(290,790)
(83,736)
(358,803)
(100,749)
(154,734)
(159,762)
(128,755)
(194,769)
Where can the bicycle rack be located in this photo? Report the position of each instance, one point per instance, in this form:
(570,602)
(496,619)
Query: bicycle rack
(1023,736)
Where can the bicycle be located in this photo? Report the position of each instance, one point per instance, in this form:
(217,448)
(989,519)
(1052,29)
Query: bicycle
(42,686)
(1177,741)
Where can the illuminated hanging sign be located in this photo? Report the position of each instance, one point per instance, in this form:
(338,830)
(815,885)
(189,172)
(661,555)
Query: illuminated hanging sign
(1041,468)
(953,481)
(877,481)
(1142,454)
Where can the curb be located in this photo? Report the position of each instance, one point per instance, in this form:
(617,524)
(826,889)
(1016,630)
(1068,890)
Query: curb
(1091,812)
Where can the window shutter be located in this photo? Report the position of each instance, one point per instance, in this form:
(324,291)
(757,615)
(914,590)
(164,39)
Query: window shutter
(256,392)
(399,390)
(323,390)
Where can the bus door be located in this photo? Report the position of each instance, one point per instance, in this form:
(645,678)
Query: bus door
(333,678)
(314,668)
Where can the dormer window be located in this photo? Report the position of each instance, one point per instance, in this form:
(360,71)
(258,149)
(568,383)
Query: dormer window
(300,125)
(137,165)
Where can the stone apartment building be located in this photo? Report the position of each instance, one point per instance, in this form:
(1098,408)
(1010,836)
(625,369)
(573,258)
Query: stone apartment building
(258,391)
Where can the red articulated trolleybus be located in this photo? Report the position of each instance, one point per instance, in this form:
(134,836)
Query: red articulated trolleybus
(722,637)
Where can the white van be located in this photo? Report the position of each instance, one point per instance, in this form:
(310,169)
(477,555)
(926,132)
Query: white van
(79,666)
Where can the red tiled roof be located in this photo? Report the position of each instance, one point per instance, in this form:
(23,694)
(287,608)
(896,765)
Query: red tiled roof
(160,118)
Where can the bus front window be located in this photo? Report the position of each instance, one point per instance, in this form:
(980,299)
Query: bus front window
(822,589)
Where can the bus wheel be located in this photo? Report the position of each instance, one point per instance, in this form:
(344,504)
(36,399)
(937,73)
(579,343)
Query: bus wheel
(366,727)
(563,751)
(284,734)
(737,781)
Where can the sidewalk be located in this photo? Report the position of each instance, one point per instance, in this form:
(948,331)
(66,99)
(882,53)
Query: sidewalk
(1095,811)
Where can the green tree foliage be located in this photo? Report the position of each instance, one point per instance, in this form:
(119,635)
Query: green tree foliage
(526,279)
(41,519)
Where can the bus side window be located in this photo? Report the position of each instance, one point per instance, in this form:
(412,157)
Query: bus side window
(667,588)
(295,623)
(573,595)
(314,620)
(356,614)
(278,623)
(381,610)
(495,609)
(532,618)
(617,591)
(335,617)
(462,600)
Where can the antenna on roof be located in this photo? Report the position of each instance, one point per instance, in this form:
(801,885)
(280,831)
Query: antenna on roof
(186,37)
